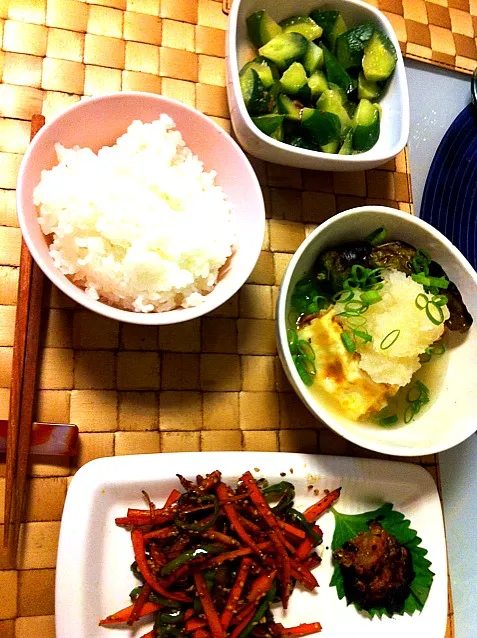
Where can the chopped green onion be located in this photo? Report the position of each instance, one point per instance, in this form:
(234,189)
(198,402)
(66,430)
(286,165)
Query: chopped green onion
(292,339)
(348,314)
(365,336)
(355,321)
(305,376)
(420,265)
(309,366)
(359,273)
(424,253)
(376,271)
(368,297)
(350,283)
(377,236)
(390,339)
(356,306)
(417,392)
(430,282)
(339,296)
(348,343)
(436,316)
(410,412)
(421,301)
(417,396)
(437,349)
(306,350)
(440,300)
(422,387)
(388,420)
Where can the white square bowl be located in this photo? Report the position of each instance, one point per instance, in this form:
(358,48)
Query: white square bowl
(394,103)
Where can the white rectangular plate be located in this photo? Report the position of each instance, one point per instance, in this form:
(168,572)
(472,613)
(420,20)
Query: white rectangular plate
(93,578)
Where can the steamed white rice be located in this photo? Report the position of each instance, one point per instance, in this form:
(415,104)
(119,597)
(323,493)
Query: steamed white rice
(140,225)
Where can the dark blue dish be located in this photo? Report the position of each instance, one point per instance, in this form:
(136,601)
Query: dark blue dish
(449,200)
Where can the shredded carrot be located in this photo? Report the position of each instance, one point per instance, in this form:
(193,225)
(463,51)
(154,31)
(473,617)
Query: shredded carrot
(140,555)
(139,603)
(227,548)
(124,614)
(230,512)
(305,629)
(235,593)
(312,513)
(208,606)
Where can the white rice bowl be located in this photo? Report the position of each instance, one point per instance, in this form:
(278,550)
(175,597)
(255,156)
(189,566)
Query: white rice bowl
(140,225)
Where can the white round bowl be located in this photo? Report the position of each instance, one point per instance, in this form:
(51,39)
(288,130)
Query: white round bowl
(97,122)
(451,416)
(394,103)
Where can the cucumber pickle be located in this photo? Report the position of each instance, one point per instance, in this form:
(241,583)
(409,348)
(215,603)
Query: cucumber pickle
(314,82)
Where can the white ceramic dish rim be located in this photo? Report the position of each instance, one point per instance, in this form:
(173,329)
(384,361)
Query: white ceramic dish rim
(88,525)
(78,295)
(290,369)
(300,152)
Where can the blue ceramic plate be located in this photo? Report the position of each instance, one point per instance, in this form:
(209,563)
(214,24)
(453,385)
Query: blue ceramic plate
(449,200)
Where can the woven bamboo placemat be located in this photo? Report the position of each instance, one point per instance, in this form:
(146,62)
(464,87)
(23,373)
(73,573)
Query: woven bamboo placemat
(212,384)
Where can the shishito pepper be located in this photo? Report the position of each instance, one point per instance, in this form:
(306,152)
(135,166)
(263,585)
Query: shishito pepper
(198,552)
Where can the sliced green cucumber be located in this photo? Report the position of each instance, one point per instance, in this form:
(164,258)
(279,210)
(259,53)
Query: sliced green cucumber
(267,71)
(366,126)
(268,123)
(317,83)
(304,95)
(351,44)
(322,128)
(301,142)
(290,108)
(302,24)
(332,23)
(294,78)
(278,134)
(366,89)
(254,93)
(284,49)
(261,28)
(331,101)
(336,73)
(379,59)
(313,59)
(347,146)
(331,147)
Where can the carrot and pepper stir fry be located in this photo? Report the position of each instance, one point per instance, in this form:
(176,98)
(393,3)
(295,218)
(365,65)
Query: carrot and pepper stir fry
(213,559)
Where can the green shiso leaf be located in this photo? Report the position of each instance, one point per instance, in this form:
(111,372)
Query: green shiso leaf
(347,526)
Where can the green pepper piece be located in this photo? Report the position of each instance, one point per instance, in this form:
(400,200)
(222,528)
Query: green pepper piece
(135,570)
(199,552)
(198,526)
(261,611)
(298,516)
(135,593)
(286,491)
(171,617)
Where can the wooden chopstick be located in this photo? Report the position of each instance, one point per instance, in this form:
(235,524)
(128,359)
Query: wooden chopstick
(18,362)
(22,393)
